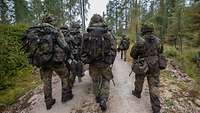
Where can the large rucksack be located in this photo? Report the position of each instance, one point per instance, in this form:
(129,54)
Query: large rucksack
(97,45)
(41,46)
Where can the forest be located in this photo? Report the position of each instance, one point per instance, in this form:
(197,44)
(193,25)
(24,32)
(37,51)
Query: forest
(176,23)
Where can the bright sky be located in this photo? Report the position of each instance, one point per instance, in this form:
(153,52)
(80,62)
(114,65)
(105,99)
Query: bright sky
(96,6)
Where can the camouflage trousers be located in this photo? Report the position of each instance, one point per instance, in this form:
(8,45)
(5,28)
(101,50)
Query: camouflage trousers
(46,77)
(154,84)
(79,73)
(123,54)
(101,76)
(73,79)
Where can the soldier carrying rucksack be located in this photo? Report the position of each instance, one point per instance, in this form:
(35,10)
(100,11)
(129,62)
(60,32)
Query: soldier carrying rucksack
(99,51)
(124,46)
(46,49)
(147,62)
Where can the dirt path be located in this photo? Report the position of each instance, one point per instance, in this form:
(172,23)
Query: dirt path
(121,100)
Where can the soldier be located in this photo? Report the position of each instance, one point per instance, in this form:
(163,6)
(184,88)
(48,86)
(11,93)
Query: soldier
(150,52)
(56,60)
(123,47)
(76,51)
(99,51)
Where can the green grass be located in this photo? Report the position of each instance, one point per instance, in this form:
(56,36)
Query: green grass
(22,85)
(184,60)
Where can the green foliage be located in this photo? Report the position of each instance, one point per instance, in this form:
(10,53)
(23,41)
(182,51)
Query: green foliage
(171,52)
(22,12)
(184,60)
(13,62)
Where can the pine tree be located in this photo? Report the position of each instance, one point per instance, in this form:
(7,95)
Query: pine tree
(3,12)
(22,12)
(37,10)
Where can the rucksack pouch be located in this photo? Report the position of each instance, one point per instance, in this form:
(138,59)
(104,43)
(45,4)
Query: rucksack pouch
(140,67)
(110,58)
(162,62)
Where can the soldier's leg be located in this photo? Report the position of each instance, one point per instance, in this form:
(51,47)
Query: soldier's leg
(105,88)
(154,82)
(72,79)
(125,51)
(121,54)
(63,73)
(95,79)
(46,77)
(104,93)
(139,81)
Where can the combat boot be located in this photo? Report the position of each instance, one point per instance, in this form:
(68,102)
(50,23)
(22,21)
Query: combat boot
(102,102)
(67,96)
(103,105)
(98,99)
(156,111)
(50,104)
(135,93)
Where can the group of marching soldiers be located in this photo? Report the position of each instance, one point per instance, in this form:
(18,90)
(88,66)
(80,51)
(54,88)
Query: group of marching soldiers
(96,47)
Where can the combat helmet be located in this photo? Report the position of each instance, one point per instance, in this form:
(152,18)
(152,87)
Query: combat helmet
(123,35)
(48,19)
(96,19)
(75,25)
(65,29)
(147,27)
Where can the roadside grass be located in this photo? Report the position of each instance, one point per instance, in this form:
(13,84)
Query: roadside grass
(15,73)
(22,85)
(184,60)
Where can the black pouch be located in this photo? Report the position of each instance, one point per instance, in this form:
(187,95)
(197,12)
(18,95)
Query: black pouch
(162,62)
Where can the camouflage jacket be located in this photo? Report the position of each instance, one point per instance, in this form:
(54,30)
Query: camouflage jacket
(149,50)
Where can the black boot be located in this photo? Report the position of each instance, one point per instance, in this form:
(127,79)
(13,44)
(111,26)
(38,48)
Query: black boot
(98,99)
(50,104)
(156,111)
(67,96)
(103,105)
(135,93)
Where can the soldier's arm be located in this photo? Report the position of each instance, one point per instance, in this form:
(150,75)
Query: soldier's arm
(161,49)
(61,41)
(160,46)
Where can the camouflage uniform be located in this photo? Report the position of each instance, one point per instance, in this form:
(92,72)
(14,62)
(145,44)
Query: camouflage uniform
(60,68)
(99,70)
(76,51)
(150,53)
(124,51)
(46,77)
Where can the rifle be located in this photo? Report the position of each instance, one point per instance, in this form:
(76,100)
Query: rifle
(131,72)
